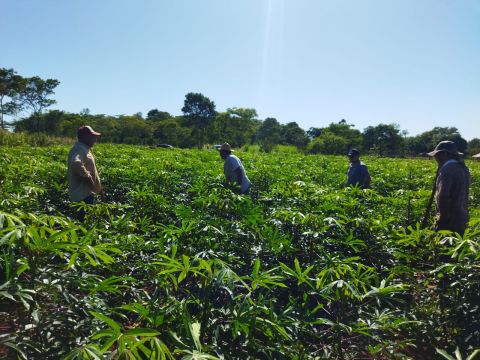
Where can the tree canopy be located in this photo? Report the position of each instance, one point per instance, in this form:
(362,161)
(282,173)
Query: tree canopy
(19,93)
(201,124)
(199,111)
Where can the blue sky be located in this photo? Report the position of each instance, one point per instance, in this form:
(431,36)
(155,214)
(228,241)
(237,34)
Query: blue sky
(411,62)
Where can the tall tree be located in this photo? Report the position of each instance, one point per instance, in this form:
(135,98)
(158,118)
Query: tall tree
(292,134)
(35,93)
(50,122)
(199,111)
(351,136)
(237,126)
(383,139)
(329,143)
(134,130)
(10,84)
(269,134)
(474,146)
(427,140)
(314,132)
(336,138)
(155,115)
(171,132)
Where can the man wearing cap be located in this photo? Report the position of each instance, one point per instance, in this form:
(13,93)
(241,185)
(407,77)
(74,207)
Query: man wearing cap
(235,176)
(83,179)
(357,174)
(451,188)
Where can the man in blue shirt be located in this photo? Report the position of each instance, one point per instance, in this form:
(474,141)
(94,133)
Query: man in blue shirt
(358,174)
(235,176)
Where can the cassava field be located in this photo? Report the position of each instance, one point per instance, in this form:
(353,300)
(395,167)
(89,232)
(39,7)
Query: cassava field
(171,265)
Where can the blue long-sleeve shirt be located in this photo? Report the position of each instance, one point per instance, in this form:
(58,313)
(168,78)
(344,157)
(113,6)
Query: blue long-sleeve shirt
(358,175)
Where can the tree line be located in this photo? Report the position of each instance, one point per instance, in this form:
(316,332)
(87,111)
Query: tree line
(200,124)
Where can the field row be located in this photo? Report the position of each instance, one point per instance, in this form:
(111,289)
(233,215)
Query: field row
(172,264)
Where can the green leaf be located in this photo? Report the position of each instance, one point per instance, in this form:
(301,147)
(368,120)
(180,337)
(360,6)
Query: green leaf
(473,355)
(444,354)
(7,295)
(195,331)
(256,267)
(141,332)
(113,325)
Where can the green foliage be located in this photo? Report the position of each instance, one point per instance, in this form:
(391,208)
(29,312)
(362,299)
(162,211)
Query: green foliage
(17,139)
(336,138)
(171,264)
(329,143)
(237,126)
(201,124)
(383,139)
(427,140)
(474,146)
(172,132)
(269,134)
(34,94)
(292,134)
(199,112)
(10,86)
(155,116)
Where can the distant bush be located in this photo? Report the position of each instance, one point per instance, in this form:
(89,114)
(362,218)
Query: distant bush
(37,139)
(328,143)
(251,148)
(286,149)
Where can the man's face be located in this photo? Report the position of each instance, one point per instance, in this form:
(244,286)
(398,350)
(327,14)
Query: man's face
(353,158)
(89,139)
(224,154)
(441,157)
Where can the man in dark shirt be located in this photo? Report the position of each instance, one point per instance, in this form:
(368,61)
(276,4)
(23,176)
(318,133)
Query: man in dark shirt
(357,174)
(451,188)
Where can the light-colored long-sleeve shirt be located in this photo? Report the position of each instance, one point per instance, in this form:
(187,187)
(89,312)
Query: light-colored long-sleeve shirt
(83,179)
(230,167)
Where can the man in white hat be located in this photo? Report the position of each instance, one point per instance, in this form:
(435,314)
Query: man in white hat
(235,176)
(83,179)
(451,188)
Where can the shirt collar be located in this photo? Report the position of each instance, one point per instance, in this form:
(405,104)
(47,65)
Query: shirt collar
(82,145)
(451,161)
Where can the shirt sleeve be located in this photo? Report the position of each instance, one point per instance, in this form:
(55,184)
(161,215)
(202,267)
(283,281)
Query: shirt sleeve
(232,163)
(78,166)
(444,185)
(349,176)
(365,174)
(364,171)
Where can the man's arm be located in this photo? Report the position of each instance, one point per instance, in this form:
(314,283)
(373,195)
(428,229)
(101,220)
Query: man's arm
(368,179)
(80,169)
(238,172)
(349,177)
(444,185)
(233,174)
(365,179)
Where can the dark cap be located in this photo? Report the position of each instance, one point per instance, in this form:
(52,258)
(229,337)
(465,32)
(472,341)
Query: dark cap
(445,146)
(86,130)
(353,152)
